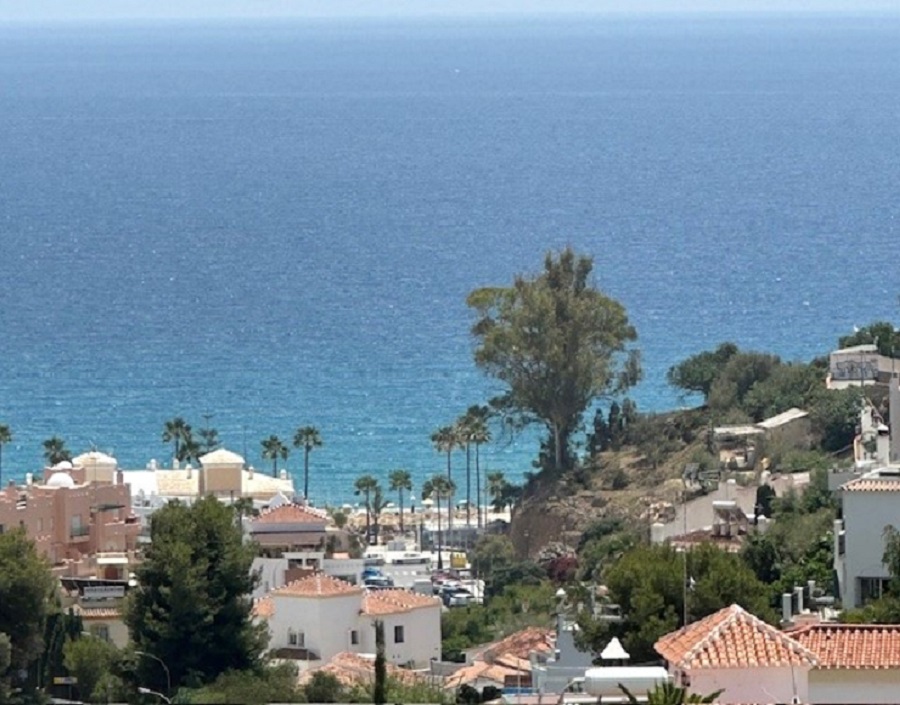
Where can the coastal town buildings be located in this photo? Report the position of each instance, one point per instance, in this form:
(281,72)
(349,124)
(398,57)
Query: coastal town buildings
(860,365)
(313,619)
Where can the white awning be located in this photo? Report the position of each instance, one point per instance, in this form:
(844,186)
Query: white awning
(112,559)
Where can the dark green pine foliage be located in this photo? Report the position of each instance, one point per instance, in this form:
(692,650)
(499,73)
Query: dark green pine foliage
(192,606)
(379,693)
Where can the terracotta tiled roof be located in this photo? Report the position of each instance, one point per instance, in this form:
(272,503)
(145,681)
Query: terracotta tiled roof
(264,608)
(352,669)
(872,484)
(97,612)
(395,601)
(731,544)
(852,645)
(732,638)
(479,670)
(318,585)
(520,644)
(290,514)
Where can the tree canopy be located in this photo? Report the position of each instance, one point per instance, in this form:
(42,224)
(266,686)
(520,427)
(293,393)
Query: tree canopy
(882,334)
(191,608)
(557,343)
(26,588)
(650,583)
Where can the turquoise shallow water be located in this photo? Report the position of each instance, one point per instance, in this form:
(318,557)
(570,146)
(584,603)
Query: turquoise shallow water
(278,224)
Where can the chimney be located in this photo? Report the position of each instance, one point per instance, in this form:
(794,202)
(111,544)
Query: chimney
(786,609)
(798,591)
(894,413)
(120,477)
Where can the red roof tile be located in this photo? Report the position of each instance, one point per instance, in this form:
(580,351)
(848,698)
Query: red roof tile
(263,608)
(318,585)
(860,646)
(395,601)
(872,484)
(520,644)
(97,612)
(732,638)
(352,669)
(290,514)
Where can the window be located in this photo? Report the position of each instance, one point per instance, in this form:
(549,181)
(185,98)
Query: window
(398,634)
(354,637)
(101,631)
(871,589)
(295,638)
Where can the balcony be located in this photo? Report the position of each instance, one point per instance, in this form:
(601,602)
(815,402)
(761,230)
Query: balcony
(79,532)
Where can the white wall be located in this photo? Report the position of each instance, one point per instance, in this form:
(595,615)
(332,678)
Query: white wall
(752,685)
(421,636)
(865,516)
(325,621)
(848,687)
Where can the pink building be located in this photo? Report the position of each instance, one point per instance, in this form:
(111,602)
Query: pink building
(82,529)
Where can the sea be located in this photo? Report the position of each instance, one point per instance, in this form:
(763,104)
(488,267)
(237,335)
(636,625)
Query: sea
(261,225)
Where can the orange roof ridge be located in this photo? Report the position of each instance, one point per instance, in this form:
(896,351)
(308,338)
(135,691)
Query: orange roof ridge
(317,585)
(389,601)
(856,646)
(291,513)
(729,637)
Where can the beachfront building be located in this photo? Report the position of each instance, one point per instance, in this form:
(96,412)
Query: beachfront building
(313,619)
(82,525)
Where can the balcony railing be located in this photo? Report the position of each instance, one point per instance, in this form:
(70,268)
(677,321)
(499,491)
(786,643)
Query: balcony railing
(79,531)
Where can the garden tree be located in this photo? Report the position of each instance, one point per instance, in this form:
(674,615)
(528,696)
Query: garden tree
(446,439)
(176,431)
(5,660)
(55,450)
(5,437)
(601,544)
(400,480)
(649,582)
(557,343)
(667,693)
(742,371)
(273,684)
(308,438)
(89,659)
(192,606)
(323,688)
(366,485)
(479,434)
(379,502)
(379,694)
(491,552)
(26,589)
(59,628)
(697,373)
(272,449)
(835,417)
(789,385)
(882,334)
(436,489)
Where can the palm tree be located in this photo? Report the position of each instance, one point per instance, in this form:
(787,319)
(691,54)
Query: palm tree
(176,431)
(479,434)
(5,437)
(307,437)
(365,485)
(243,507)
(463,431)
(273,449)
(437,488)
(379,502)
(497,485)
(400,480)
(446,439)
(55,450)
(666,693)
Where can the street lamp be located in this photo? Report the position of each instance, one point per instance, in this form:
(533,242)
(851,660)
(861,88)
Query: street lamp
(147,691)
(165,668)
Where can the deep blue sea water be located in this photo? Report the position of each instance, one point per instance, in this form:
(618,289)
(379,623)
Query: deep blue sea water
(277,223)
